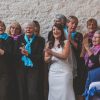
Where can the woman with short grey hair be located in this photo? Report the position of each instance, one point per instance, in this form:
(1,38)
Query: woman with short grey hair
(29,55)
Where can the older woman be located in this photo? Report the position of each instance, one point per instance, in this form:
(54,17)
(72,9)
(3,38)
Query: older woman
(92,55)
(92,59)
(29,56)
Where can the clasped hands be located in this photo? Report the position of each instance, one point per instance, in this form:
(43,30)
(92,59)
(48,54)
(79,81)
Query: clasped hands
(48,51)
(23,51)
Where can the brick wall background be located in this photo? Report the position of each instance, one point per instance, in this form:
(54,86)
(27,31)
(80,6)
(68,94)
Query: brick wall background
(45,10)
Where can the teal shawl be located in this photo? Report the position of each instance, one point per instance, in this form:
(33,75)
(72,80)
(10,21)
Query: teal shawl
(4,36)
(26,60)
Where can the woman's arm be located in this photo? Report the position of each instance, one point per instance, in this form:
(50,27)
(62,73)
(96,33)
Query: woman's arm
(64,54)
(70,39)
(86,46)
(47,56)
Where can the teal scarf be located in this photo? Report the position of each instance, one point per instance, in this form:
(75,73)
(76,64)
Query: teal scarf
(27,61)
(4,36)
(66,33)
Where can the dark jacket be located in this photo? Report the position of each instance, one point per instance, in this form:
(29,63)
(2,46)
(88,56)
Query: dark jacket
(36,55)
(6,60)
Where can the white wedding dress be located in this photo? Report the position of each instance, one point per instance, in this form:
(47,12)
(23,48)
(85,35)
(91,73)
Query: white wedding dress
(61,78)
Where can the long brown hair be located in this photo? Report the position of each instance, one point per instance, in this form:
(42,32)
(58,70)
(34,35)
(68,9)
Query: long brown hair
(62,38)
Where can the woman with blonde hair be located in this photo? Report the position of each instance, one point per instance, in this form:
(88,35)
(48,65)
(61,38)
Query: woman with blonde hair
(14,30)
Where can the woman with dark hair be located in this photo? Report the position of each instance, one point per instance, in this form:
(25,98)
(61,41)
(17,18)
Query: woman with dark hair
(14,30)
(58,53)
(59,19)
(42,70)
(37,28)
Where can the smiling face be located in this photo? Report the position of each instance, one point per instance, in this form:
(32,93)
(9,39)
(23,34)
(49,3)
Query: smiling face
(15,29)
(72,25)
(56,32)
(96,39)
(29,29)
(91,25)
(2,27)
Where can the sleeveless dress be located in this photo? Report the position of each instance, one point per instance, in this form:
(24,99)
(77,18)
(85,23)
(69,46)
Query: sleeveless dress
(61,78)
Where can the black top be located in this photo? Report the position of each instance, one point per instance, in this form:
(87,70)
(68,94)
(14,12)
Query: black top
(96,60)
(6,60)
(36,55)
(78,39)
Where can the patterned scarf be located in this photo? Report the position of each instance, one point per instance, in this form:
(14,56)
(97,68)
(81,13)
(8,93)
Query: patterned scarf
(27,61)
(15,37)
(95,50)
(4,36)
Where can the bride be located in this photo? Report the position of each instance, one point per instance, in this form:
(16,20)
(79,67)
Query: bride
(58,53)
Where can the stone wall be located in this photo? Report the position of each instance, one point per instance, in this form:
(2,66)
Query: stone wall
(45,10)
